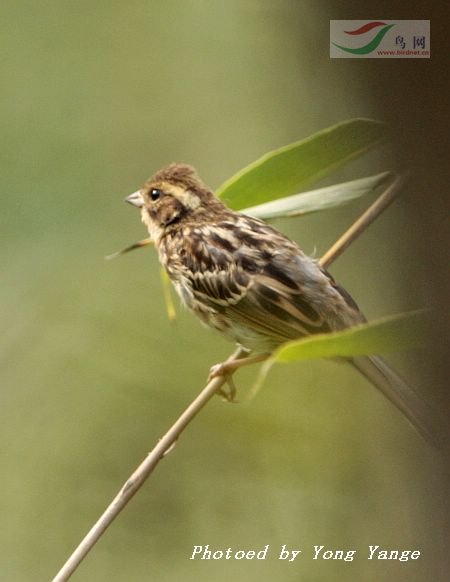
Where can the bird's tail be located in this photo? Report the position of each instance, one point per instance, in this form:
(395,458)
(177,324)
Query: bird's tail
(402,395)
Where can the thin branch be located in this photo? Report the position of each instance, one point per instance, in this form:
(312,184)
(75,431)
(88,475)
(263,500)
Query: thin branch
(136,480)
(365,220)
(168,441)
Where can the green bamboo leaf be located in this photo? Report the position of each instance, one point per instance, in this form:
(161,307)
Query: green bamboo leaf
(393,333)
(167,292)
(320,199)
(292,168)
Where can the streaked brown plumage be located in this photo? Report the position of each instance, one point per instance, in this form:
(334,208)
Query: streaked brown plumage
(249,281)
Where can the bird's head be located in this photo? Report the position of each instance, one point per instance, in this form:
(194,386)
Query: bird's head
(173,195)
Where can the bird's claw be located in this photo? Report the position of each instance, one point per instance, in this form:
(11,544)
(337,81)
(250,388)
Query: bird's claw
(220,370)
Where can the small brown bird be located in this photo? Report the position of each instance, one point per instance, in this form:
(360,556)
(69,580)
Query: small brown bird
(247,280)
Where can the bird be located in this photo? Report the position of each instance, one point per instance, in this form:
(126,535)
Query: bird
(247,280)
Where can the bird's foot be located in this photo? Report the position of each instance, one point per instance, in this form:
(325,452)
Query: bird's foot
(226,371)
(227,391)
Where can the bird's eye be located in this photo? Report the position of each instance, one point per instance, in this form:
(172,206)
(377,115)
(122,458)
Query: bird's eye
(155,193)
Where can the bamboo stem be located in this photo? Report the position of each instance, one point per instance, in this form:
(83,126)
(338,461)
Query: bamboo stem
(365,220)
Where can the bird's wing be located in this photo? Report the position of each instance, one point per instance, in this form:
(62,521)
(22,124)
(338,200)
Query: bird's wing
(259,279)
(264,297)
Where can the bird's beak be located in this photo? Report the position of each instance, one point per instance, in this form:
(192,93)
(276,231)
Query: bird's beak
(135,199)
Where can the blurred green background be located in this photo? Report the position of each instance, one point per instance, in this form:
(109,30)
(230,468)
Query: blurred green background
(96,97)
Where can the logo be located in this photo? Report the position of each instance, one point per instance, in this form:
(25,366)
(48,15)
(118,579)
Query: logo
(380,39)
